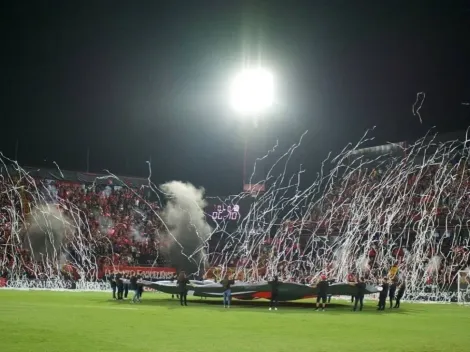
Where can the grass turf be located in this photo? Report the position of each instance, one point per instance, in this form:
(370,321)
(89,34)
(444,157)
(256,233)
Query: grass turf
(64,321)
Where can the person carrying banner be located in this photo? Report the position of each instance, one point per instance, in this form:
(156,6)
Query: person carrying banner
(400,294)
(351,279)
(135,288)
(274,293)
(391,292)
(140,287)
(120,285)
(173,279)
(182,284)
(359,296)
(126,285)
(322,294)
(112,281)
(383,294)
(392,274)
(226,284)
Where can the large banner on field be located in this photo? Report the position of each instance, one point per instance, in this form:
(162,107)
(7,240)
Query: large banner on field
(217,273)
(154,272)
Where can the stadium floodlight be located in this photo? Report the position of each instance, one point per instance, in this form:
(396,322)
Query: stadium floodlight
(252,91)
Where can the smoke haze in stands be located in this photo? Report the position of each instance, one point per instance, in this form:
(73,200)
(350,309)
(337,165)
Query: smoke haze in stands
(185,218)
(46,233)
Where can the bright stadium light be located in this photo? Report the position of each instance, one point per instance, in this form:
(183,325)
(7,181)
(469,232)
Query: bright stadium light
(252,91)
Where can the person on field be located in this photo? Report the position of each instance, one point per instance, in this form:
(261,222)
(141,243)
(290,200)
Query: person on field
(112,280)
(120,286)
(352,279)
(400,294)
(359,296)
(140,287)
(183,289)
(391,292)
(330,282)
(126,285)
(226,284)
(174,278)
(383,294)
(322,294)
(274,284)
(134,287)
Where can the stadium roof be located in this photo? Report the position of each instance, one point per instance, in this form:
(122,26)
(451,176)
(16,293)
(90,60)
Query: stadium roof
(381,149)
(448,137)
(394,148)
(78,177)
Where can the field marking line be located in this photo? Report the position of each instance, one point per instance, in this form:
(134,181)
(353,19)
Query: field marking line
(31,305)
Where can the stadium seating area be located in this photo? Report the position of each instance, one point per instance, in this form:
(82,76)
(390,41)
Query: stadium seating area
(120,225)
(450,208)
(302,247)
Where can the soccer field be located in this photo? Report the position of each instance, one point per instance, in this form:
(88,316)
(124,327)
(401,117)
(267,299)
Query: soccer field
(64,321)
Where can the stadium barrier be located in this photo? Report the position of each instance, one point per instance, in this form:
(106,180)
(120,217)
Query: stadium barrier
(155,273)
(101,286)
(53,285)
(58,285)
(159,273)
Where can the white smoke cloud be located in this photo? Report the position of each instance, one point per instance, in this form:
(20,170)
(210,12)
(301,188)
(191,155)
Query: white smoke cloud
(46,233)
(362,265)
(184,216)
(434,264)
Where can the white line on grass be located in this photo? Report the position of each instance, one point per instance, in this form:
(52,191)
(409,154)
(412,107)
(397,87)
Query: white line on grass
(39,305)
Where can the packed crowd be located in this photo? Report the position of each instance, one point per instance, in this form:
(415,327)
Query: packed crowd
(408,215)
(436,201)
(117,225)
(364,219)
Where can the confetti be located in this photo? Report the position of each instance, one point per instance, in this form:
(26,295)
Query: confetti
(401,215)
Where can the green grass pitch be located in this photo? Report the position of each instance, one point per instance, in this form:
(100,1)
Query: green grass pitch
(44,321)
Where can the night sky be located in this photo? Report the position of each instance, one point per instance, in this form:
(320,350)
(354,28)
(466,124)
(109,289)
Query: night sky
(134,80)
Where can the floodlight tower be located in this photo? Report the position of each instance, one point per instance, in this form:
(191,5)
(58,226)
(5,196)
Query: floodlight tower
(252,95)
